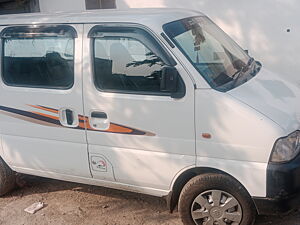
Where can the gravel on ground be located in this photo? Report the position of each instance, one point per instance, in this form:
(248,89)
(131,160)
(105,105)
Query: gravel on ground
(77,204)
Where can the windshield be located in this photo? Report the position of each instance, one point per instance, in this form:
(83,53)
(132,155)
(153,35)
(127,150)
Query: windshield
(217,57)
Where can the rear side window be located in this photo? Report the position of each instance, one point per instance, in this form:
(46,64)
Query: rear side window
(38,57)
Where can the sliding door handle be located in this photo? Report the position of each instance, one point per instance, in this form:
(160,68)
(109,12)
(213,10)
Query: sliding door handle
(99,115)
(99,120)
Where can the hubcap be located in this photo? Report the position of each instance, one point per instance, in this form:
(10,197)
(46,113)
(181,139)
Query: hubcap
(216,213)
(215,207)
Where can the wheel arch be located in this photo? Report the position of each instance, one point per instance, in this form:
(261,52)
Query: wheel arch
(179,182)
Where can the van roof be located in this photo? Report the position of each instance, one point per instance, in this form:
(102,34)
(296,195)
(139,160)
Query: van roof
(154,16)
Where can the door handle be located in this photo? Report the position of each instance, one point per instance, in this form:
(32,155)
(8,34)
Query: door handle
(99,120)
(68,117)
(100,115)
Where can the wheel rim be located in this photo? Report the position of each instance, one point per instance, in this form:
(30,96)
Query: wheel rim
(215,207)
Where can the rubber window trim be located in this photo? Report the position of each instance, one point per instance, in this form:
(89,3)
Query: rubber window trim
(32,31)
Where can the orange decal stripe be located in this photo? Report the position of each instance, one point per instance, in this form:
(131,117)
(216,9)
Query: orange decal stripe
(46,115)
(88,126)
(81,125)
(113,128)
(118,129)
(44,108)
(83,120)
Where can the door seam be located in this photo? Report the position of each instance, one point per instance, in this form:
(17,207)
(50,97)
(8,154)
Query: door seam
(82,98)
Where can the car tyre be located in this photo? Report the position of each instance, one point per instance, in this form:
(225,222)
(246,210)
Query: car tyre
(215,199)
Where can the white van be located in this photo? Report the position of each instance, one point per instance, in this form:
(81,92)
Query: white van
(156,101)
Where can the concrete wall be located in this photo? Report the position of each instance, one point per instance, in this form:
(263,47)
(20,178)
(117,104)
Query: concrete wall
(258,25)
(74,5)
(61,5)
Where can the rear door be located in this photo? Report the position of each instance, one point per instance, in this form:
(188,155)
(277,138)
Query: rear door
(137,133)
(41,100)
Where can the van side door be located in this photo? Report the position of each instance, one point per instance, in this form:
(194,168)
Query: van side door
(137,133)
(41,100)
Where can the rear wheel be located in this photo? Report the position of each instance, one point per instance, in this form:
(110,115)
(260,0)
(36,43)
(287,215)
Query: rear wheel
(7,178)
(215,199)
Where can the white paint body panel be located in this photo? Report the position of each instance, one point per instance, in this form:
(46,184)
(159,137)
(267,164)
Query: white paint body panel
(97,182)
(251,175)
(157,158)
(241,142)
(274,97)
(39,147)
(143,168)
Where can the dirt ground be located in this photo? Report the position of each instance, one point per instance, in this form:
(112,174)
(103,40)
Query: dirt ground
(76,204)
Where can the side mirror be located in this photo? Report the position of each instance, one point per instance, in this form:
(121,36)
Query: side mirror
(169,79)
(246,51)
(171,82)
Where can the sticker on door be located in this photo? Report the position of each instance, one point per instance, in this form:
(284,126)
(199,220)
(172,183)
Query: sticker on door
(99,164)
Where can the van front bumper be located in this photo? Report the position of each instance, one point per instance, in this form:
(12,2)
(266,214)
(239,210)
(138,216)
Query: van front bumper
(283,189)
(270,206)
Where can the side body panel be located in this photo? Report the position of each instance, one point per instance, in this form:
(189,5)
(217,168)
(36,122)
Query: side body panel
(241,139)
(33,138)
(162,138)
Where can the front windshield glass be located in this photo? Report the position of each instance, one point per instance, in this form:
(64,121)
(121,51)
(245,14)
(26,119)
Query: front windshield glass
(217,57)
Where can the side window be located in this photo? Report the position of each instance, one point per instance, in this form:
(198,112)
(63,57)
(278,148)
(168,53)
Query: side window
(38,58)
(126,64)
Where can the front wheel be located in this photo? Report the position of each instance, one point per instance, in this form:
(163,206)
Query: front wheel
(215,199)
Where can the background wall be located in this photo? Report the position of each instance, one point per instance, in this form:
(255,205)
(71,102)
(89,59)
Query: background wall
(73,5)
(261,26)
(61,5)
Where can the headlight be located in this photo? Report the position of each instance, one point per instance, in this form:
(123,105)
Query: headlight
(286,148)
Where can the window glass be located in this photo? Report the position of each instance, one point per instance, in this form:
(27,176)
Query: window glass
(125,64)
(100,4)
(216,56)
(46,62)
